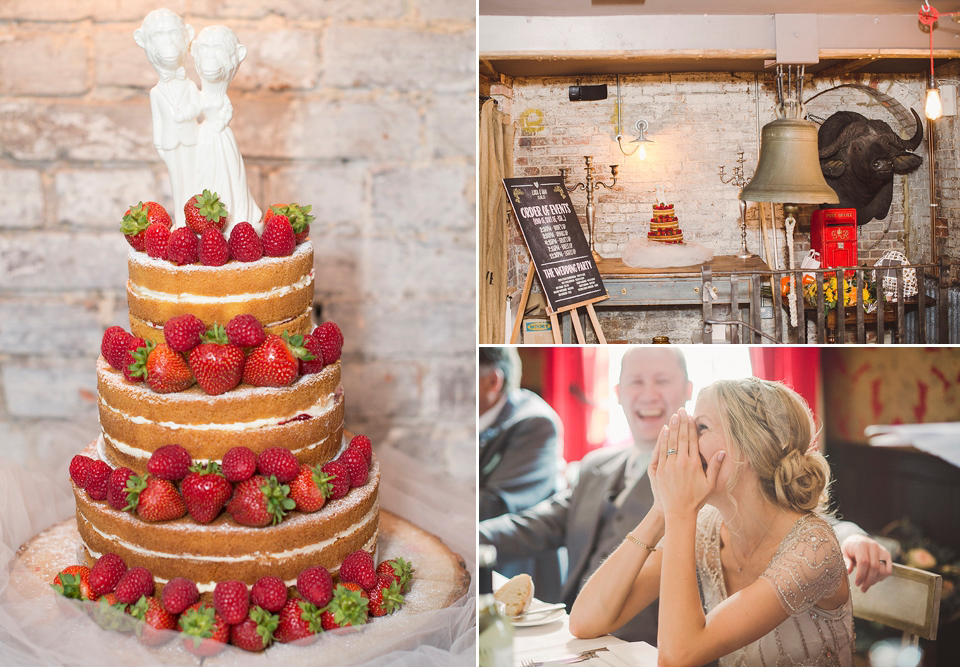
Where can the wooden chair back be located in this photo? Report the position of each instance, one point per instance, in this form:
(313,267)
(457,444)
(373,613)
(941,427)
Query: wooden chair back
(909,600)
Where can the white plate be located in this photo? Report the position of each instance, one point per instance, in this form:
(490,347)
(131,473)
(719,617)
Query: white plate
(539,619)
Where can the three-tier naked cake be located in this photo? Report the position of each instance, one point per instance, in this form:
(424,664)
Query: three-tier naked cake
(305,417)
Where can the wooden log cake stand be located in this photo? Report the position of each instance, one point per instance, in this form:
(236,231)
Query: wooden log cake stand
(440,579)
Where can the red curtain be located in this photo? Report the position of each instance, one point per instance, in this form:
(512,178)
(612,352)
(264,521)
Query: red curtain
(570,380)
(797,367)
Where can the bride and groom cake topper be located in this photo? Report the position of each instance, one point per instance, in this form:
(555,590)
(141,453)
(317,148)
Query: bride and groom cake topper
(200,155)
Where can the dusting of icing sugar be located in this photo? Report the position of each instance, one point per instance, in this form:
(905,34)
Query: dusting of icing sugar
(143,259)
(301,284)
(318,409)
(143,393)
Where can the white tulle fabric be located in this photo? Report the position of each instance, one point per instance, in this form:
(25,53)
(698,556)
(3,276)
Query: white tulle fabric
(51,632)
(807,566)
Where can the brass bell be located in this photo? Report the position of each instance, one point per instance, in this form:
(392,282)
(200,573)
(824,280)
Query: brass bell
(789,166)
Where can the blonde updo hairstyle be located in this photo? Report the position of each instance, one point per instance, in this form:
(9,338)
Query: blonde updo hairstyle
(772,429)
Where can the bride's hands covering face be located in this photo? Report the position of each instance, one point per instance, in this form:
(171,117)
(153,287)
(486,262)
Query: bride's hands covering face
(679,481)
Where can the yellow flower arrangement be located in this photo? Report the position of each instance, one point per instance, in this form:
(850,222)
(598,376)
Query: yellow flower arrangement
(830,293)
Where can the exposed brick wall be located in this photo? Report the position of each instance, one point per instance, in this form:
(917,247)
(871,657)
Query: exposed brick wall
(697,121)
(366,110)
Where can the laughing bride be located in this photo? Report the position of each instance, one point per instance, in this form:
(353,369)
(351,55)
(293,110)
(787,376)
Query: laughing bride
(739,494)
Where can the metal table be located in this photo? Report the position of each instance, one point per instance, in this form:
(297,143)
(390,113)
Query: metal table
(674,286)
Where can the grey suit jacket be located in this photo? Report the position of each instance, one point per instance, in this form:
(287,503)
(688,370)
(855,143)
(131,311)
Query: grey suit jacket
(572,518)
(518,455)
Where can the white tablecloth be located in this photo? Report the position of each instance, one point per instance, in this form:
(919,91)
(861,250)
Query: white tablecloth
(553,640)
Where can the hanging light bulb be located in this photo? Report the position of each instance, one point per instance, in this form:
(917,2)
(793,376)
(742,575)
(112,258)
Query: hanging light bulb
(933,108)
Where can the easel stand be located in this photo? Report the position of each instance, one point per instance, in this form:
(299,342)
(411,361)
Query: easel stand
(554,320)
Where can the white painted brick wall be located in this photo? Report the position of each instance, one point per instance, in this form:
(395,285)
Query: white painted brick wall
(364,110)
(697,122)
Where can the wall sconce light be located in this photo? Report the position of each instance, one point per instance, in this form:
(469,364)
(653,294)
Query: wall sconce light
(640,149)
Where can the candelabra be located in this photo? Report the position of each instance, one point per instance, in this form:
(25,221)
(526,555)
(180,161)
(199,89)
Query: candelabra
(590,186)
(738,181)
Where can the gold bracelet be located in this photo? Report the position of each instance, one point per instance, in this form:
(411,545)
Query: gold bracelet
(640,544)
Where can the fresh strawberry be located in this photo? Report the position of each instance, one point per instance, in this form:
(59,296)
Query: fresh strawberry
(106,572)
(117,488)
(183,246)
(270,593)
(129,358)
(170,462)
(207,632)
(331,341)
(156,241)
(184,332)
(255,632)
(105,349)
(398,568)
(355,462)
(358,567)
(178,594)
(155,619)
(239,463)
(363,445)
(278,238)
(315,585)
(260,501)
(165,369)
(135,582)
(314,347)
(245,331)
(275,363)
(347,608)
(217,364)
(298,619)
(79,468)
(138,218)
(74,582)
(299,217)
(98,478)
(213,249)
(244,244)
(205,210)
(279,462)
(339,479)
(154,499)
(385,598)
(205,492)
(231,600)
(310,489)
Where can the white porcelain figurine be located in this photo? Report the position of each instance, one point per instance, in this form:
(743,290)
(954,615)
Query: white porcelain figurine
(217,54)
(174,101)
(199,155)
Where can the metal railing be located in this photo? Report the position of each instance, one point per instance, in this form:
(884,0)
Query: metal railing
(930,315)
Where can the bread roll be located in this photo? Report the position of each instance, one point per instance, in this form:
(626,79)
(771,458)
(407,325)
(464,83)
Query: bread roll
(516,594)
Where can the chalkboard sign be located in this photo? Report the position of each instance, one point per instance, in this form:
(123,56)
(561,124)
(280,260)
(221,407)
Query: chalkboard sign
(558,248)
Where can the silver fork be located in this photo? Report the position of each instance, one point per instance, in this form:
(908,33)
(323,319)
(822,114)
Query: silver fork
(572,660)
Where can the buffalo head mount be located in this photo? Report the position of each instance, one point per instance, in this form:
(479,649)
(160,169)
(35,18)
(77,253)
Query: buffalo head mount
(859,156)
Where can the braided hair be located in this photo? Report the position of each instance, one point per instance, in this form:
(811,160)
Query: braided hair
(772,428)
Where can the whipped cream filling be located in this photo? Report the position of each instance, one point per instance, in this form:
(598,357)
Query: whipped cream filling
(138,453)
(281,555)
(266,325)
(231,298)
(318,409)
